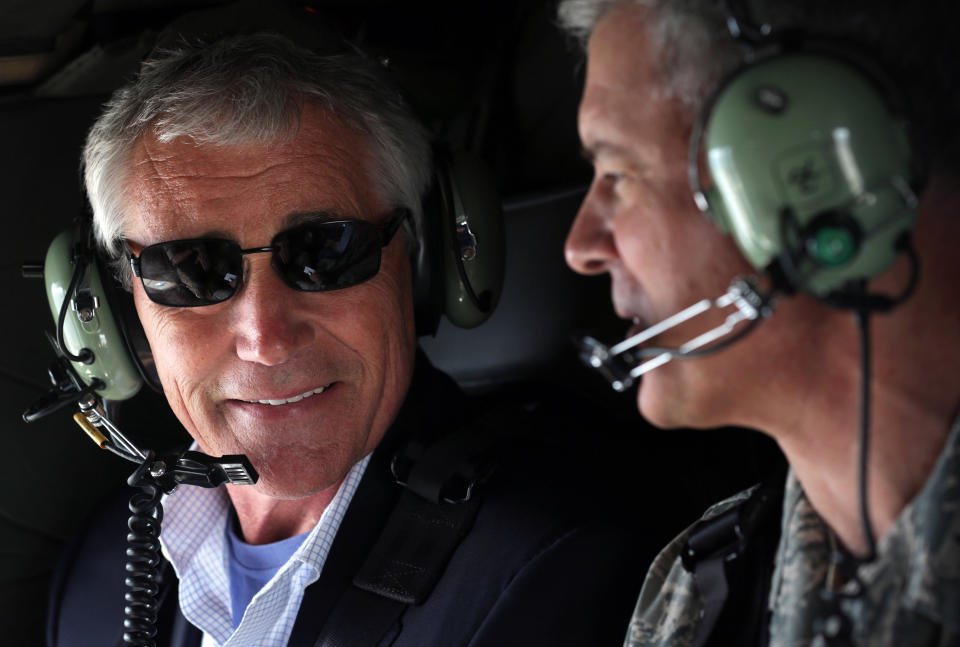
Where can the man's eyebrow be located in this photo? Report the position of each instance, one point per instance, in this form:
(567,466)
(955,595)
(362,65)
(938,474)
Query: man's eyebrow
(303,217)
(210,233)
(591,151)
(215,233)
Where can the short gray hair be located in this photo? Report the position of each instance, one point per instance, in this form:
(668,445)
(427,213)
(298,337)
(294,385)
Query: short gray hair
(910,43)
(688,36)
(251,88)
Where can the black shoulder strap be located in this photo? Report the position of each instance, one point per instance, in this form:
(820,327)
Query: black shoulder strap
(731,557)
(431,518)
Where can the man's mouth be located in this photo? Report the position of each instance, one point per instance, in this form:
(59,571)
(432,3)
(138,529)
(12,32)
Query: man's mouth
(295,398)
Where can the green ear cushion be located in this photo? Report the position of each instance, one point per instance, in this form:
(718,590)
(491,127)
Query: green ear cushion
(810,134)
(112,364)
(475,197)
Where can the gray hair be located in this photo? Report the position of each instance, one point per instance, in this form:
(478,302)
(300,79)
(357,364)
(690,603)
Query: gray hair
(910,43)
(689,37)
(245,89)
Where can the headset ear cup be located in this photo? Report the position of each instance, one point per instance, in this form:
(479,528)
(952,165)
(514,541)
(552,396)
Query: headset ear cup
(96,327)
(473,233)
(811,132)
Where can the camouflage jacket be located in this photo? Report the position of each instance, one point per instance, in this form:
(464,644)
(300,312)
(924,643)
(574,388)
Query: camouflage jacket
(912,588)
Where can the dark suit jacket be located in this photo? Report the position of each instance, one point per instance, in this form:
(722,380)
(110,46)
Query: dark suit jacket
(546,563)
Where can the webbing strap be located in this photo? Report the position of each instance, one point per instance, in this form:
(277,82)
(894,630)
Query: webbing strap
(402,569)
(710,546)
(432,516)
(712,582)
(360,619)
(729,556)
(413,551)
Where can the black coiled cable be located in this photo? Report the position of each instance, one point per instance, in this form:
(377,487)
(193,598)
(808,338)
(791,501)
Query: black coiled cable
(143,559)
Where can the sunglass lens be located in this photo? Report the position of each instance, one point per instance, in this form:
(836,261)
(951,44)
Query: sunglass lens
(325,256)
(188,273)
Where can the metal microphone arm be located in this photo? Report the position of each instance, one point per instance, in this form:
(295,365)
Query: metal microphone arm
(187,468)
(621,367)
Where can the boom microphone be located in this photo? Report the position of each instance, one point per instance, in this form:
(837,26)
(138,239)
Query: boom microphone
(621,365)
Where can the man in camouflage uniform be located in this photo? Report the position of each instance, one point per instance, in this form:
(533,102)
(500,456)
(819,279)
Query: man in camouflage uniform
(651,66)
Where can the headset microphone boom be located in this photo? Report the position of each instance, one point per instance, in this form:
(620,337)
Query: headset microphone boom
(621,365)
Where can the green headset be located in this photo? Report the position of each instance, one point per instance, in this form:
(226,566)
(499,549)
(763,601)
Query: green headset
(810,165)
(458,273)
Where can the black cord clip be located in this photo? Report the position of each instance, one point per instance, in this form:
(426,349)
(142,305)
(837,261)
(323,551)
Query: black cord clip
(194,468)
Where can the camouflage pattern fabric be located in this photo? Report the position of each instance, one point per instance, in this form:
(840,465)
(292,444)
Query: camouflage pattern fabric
(669,609)
(912,593)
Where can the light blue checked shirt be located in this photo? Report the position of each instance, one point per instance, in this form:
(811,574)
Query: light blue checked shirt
(195,542)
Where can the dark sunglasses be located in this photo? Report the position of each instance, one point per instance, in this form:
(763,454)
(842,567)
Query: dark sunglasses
(312,257)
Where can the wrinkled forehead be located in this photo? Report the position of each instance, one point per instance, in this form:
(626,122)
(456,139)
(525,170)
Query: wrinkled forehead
(184,188)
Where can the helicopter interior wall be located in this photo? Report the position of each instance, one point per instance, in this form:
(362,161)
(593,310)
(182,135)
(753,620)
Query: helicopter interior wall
(45,464)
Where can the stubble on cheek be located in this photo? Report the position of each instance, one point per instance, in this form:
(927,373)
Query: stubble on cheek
(202,419)
(180,356)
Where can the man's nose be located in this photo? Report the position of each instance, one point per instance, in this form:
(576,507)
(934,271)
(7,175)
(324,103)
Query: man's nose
(268,324)
(590,245)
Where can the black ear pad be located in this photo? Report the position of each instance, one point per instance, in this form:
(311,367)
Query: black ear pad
(428,266)
(135,339)
(459,271)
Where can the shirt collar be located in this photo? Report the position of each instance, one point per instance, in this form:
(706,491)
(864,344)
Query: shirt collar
(194,541)
(923,542)
(918,559)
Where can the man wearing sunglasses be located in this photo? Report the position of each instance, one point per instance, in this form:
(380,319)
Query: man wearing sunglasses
(263,204)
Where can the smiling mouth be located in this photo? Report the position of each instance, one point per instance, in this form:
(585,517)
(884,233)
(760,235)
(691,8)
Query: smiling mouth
(291,400)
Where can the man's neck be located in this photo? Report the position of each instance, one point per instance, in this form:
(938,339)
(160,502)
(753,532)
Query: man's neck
(915,389)
(265,519)
(903,450)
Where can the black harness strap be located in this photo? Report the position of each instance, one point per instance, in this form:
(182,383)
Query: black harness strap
(401,570)
(712,543)
(415,547)
(360,619)
(731,558)
(431,518)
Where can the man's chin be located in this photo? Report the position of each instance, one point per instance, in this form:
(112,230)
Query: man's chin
(298,477)
(286,488)
(660,404)
(670,404)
